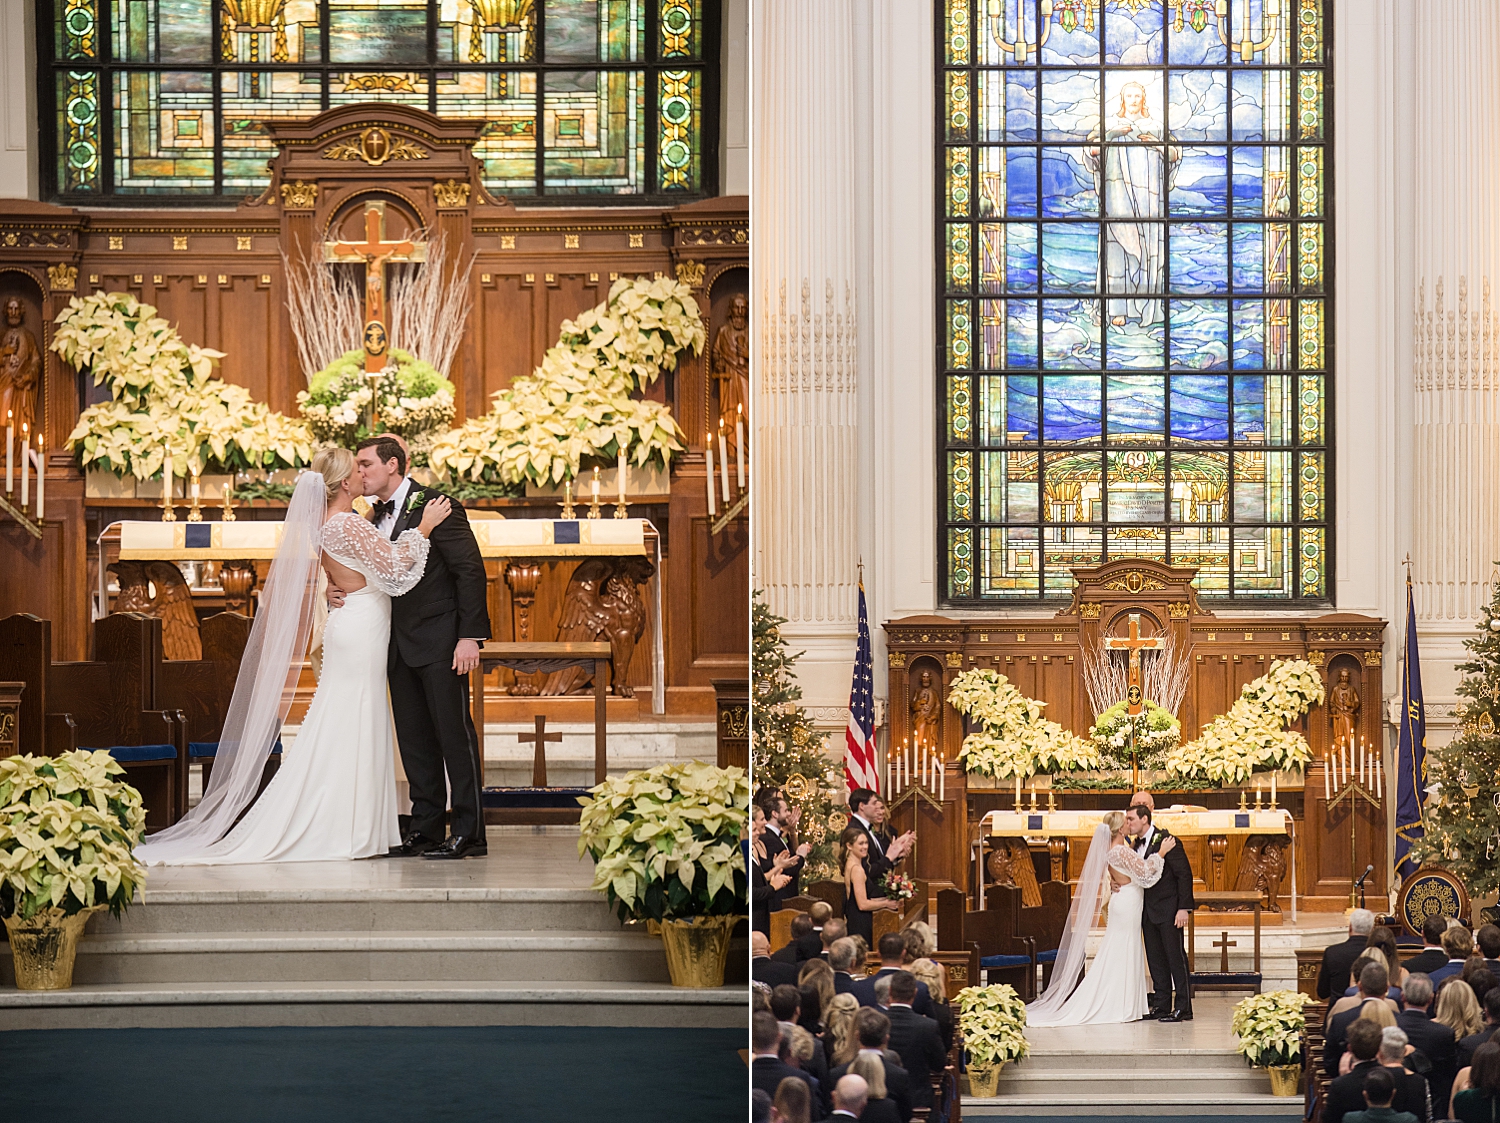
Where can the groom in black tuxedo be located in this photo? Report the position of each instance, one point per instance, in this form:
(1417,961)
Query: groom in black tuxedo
(1164,917)
(436,630)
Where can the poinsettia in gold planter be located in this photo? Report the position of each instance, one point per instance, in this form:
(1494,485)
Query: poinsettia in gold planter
(68,828)
(666,848)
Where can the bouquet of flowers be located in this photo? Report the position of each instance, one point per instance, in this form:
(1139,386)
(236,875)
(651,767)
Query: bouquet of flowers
(1157,733)
(415,401)
(897,886)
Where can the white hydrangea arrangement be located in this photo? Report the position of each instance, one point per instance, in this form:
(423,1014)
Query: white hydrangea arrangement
(415,401)
(1269,1027)
(992,1021)
(164,397)
(579,402)
(1157,732)
(1014,738)
(1252,736)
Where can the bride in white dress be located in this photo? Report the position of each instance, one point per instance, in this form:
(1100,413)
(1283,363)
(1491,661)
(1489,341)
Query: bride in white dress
(334,797)
(1115,988)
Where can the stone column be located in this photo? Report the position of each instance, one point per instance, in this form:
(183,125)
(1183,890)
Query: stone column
(1455,470)
(803,260)
(19,152)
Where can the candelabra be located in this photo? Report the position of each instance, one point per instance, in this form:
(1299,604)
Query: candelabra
(731,510)
(1351,773)
(914,775)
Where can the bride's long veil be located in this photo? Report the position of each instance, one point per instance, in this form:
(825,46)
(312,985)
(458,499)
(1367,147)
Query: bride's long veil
(267,681)
(1088,898)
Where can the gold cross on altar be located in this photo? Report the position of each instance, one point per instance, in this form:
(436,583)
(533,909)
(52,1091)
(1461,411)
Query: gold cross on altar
(1135,645)
(539,762)
(376,253)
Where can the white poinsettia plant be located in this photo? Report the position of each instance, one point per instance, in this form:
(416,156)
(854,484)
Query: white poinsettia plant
(68,829)
(580,402)
(1252,736)
(164,398)
(666,841)
(1269,1027)
(1013,739)
(992,1021)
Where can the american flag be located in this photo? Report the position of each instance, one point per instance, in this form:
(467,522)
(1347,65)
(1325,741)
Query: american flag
(859,738)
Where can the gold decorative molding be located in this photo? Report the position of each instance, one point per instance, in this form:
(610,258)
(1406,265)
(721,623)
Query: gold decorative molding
(25,239)
(731,235)
(507,241)
(62,277)
(896,658)
(1372,658)
(451,194)
(375,146)
(243,242)
(388,83)
(1134,581)
(1179,610)
(179,241)
(1317,657)
(637,241)
(116,242)
(954,658)
(570,241)
(1089,610)
(736,721)
(690,272)
(299,196)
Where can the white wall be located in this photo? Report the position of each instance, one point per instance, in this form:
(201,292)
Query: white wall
(734,99)
(18,153)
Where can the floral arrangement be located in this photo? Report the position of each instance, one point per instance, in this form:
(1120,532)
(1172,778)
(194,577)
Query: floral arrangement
(992,1020)
(1270,1026)
(68,826)
(415,401)
(897,886)
(666,841)
(1252,736)
(578,404)
(1157,732)
(164,398)
(1014,739)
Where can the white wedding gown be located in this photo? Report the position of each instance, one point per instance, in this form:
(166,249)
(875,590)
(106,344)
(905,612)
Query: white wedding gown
(1114,989)
(334,796)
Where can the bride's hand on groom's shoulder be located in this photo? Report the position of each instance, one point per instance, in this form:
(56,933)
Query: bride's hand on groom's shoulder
(1168,844)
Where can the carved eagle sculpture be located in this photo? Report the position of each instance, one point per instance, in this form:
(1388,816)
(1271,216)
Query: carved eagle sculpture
(171,600)
(602,601)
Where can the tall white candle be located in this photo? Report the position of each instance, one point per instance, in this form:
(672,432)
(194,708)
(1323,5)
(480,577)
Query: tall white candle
(1327,788)
(906,762)
(1380,780)
(1018,791)
(739,444)
(1273,787)
(196,492)
(166,477)
(595,486)
(887,771)
(10,446)
(708,461)
(942,779)
(621,473)
(724,461)
(25,456)
(41,479)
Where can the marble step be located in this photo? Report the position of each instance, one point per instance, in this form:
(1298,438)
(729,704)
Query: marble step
(374,1002)
(1199,1105)
(1053,1063)
(1147,1080)
(401,956)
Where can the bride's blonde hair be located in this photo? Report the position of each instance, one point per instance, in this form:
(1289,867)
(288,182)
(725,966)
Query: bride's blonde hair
(1115,821)
(335,465)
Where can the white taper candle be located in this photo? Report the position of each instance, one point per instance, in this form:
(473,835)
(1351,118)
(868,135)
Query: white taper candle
(708,461)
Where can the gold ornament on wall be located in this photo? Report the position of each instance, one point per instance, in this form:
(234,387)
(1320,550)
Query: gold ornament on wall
(451,194)
(375,146)
(62,277)
(690,272)
(299,196)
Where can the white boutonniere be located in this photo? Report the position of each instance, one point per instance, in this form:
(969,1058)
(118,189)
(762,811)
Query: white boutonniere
(413,500)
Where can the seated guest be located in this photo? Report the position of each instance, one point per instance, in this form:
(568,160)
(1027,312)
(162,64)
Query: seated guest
(1433,1039)
(1338,958)
(842,957)
(879,1107)
(833,929)
(1488,939)
(849,1097)
(932,974)
(841,1041)
(1383,940)
(1479,977)
(1458,1009)
(764,969)
(1372,1013)
(1412,1089)
(767,1069)
(802,929)
(883,993)
(1432,956)
(1346,1093)
(804,1053)
(1480,1101)
(786,1004)
(815,980)
(760,1106)
(920,941)
(807,934)
(1379,1091)
(1458,945)
(1469,1044)
(915,1039)
(874,1030)
(892,959)
(792,1103)
(1352,997)
(1372,988)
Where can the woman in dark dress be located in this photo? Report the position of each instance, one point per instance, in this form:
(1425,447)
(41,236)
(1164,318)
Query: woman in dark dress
(859,906)
(766,874)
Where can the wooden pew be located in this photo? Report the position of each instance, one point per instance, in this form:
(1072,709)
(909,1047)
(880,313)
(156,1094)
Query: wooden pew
(109,702)
(1004,955)
(1044,924)
(1314,1079)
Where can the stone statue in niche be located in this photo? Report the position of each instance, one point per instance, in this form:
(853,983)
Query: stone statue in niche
(20,368)
(926,704)
(603,601)
(731,364)
(1343,701)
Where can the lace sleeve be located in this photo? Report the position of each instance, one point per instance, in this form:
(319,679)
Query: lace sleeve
(1145,872)
(392,567)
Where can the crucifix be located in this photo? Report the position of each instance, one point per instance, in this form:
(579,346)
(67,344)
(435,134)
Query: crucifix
(539,762)
(376,253)
(1224,943)
(1135,701)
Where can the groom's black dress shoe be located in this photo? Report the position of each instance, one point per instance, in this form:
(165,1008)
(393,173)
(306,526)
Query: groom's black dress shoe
(413,845)
(1177,1016)
(460,846)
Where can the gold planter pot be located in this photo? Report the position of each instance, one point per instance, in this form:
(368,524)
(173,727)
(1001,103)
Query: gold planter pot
(1284,1079)
(984,1080)
(697,949)
(44,947)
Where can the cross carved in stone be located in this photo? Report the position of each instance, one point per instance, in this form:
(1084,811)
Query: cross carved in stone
(376,253)
(539,761)
(1134,644)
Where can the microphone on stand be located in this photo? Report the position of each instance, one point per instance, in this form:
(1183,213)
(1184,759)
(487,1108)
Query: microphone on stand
(1360,884)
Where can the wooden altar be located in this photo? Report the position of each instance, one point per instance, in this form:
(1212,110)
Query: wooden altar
(1042,655)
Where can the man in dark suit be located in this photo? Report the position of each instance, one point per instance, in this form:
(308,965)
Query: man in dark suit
(781,821)
(767,1069)
(914,1039)
(1458,945)
(1467,1046)
(1164,917)
(1433,1038)
(1373,983)
(841,957)
(850,1097)
(892,948)
(1333,972)
(796,950)
(874,1031)
(786,1005)
(1346,1094)
(436,630)
(1488,939)
(1432,956)
(764,969)
(867,811)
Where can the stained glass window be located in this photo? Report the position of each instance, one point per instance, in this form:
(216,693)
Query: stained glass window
(1134,256)
(580,97)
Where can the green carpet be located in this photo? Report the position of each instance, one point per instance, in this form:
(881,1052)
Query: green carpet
(373,1074)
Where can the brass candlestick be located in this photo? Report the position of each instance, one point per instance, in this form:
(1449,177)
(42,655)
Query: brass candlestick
(620,509)
(1051,802)
(595,511)
(1243,806)
(1257,799)
(228,513)
(195,512)
(567,504)
(168,508)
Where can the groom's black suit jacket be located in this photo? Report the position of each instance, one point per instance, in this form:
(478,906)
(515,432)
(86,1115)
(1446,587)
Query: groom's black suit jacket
(1175,889)
(448,604)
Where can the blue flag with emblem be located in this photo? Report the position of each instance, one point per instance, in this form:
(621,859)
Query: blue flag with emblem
(1411,755)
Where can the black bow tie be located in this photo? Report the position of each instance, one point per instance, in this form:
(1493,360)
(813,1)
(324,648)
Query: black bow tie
(384,507)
